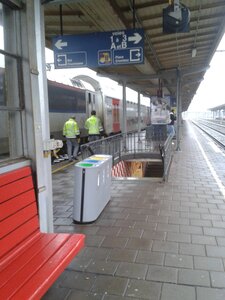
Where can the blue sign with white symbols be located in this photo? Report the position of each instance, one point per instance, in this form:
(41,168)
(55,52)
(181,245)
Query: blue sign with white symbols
(101,49)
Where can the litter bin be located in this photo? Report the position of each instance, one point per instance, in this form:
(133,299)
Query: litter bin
(92,182)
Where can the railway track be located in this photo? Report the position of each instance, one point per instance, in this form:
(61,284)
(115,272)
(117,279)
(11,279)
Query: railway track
(213,129)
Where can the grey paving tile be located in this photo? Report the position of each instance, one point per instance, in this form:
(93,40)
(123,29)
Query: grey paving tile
(193,277)
(139,244)
(78,280)
(154,235)
(178,221)
(211,217)
(177,292)
(218,279)
(94,253)
(114,242)
(167,227)
(56,294)
(122,255)
(108,231)
(81,295)
(143,289)
(206,223)
(113,297)
(130,232)
(210,294)
(203,239)
(150,258)
(93,240)
(145,225)
(188,215)
(158,219)
(192,249)
(79,263)
(218,224)
(102,267)
(131,270)
(191,229)
(214,231)
(178,237)
(164,246)
(162,274)
(179,261)
(110,285)
(208,263)
(125,223)
(220,241)
(215,251)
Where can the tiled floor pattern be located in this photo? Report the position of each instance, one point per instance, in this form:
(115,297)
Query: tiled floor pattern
(154,240)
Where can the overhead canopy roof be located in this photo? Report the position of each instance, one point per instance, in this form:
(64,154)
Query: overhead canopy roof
(220,107)
(164,53)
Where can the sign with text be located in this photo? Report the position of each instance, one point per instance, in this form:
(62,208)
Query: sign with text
(101,49)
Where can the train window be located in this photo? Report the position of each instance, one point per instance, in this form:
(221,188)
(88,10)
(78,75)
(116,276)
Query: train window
(10,91)
(89,98)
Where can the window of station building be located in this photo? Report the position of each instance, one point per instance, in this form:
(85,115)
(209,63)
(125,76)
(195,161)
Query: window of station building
(10,91)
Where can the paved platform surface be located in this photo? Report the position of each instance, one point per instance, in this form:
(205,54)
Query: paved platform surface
(154,240)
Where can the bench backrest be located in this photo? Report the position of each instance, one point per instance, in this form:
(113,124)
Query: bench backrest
(18,209)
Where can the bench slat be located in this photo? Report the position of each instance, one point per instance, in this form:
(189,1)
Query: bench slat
(26,254)
(14,222)
(17,237)
(14,175)
(15,188)
(33,280)
(11,206)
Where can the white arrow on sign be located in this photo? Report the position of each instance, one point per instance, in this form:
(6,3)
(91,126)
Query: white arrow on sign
(136,38)
(59,44)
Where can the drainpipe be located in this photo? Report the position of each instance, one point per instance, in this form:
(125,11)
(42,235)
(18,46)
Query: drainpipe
(124,122)
(178,109)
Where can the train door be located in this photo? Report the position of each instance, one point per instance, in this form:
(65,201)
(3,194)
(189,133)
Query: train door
(116,115)
(91,103)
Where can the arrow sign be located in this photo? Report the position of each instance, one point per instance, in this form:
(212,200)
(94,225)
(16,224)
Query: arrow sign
(59,44)
(136,38)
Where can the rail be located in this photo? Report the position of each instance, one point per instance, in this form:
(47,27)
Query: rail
(144,144)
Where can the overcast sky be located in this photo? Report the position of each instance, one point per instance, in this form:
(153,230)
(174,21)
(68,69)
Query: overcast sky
(211,91)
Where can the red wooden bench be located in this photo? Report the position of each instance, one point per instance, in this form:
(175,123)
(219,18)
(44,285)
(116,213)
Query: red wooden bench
(30,261)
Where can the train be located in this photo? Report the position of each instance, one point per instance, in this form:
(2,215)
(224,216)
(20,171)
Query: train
(76,100)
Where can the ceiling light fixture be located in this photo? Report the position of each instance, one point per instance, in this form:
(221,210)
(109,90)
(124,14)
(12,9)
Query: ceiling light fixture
(193,52)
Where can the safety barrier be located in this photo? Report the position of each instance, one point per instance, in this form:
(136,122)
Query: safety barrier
(149,143)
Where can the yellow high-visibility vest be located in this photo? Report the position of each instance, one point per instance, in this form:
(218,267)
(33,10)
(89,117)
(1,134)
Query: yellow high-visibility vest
(93,125)
(71,129)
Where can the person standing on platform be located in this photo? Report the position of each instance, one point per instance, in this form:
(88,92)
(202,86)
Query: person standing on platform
(94,127)
(72,132)
(170,126)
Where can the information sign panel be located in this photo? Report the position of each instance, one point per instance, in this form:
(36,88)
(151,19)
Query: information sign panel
(101,49)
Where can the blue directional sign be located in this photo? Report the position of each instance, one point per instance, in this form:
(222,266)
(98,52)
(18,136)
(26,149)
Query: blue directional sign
(101,49)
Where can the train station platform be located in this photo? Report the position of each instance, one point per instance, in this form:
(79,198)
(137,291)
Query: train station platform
(154,240)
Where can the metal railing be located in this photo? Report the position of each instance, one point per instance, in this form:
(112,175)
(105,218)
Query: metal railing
(166,151)
(145,144)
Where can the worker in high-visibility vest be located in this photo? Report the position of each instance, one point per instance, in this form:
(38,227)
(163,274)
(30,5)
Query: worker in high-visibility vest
(72,133)
(94,127)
